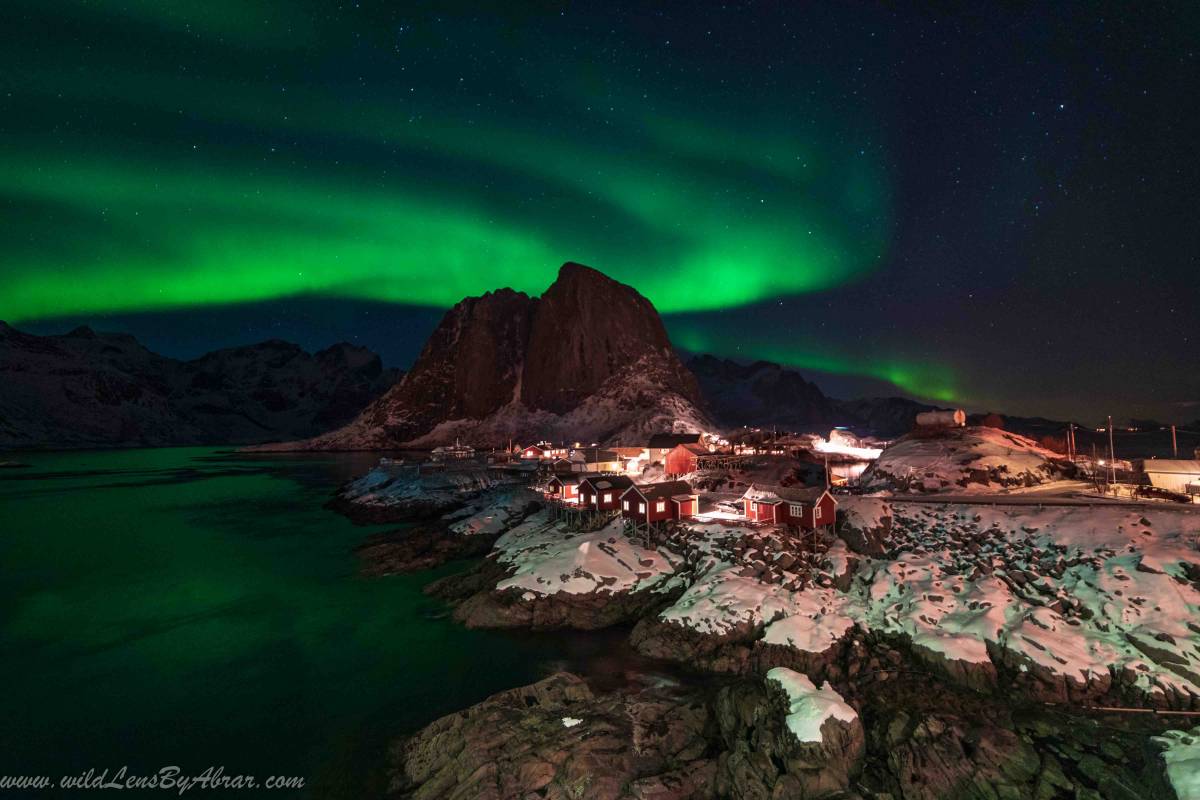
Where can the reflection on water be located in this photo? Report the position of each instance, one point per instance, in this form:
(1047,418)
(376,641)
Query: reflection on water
(193,607)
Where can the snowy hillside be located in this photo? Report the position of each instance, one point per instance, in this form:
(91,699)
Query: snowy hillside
(976,459)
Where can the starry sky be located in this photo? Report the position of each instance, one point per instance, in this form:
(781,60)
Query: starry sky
(991,207)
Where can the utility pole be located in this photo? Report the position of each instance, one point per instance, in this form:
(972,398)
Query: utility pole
(1174,444)
(1112,453)
(1071,442)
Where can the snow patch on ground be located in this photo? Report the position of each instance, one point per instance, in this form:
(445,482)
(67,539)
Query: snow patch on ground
(545,559)
(1182,756)
(1082,596)
(809,707)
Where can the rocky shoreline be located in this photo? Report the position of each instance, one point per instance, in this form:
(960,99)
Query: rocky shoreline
(881,616)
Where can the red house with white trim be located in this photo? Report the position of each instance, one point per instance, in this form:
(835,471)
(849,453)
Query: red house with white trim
(657,502)
(564,488)
(603,492)
(533,451)
(806,508)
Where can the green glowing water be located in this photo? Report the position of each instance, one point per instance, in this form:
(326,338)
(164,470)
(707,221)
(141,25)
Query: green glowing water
(183,607)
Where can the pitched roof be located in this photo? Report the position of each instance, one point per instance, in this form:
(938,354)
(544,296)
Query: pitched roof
(594,454)
(602,482)
(801,494)
(781,494)
(664,490)
(697,448)
(1171,465)
(761,495)
(567,478)
(668,440)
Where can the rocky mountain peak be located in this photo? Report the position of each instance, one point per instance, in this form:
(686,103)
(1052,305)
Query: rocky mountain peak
(588,327)
(498,361)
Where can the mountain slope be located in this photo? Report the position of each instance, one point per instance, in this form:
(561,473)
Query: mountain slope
(760,394)
(588,360)
(89,389)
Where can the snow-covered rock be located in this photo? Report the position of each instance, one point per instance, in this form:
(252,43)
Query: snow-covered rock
(544,559)
(810,707)
(1182,758)
(390,493)
(1067,603)
(957,460)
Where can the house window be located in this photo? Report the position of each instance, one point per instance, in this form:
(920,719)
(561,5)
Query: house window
(817,512)
(660,506)
(795,510)
(608,497)
(625,505)
(754,507)
(595,499)
(641,508)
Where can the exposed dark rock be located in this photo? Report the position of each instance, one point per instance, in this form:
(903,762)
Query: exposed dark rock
(417,548)
(586,329)
(592,611)
(559,739)
(505,365)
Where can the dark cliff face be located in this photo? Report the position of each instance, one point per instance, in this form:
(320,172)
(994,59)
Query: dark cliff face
(586,329)
(470,367)
(587,339)
(89,389)
(760,394)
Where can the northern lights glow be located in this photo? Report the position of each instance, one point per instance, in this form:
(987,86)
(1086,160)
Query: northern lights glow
(444,197)
(920,378)
(946,200)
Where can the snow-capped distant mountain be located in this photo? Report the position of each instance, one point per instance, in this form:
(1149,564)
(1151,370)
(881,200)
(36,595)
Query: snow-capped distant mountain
(89,389)
(589,360)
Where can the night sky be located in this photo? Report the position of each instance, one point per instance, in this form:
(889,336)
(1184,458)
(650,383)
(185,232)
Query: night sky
(996,208)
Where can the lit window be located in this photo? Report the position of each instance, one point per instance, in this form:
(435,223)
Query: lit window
(817,512)
(608,497)
(625,505)
(660,506)
(641,508)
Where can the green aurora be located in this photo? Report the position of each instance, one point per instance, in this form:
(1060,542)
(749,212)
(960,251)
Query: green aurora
(134,181)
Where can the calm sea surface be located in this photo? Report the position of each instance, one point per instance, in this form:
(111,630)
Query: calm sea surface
(191,607)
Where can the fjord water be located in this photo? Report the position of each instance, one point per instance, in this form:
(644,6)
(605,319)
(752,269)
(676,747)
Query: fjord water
(193,608)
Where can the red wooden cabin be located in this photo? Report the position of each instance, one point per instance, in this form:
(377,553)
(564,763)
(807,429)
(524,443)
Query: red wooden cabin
(806,508)
(603,492)
(533,451)
(564,488)
(682,458)
(657,502)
